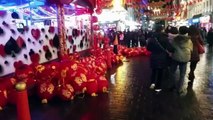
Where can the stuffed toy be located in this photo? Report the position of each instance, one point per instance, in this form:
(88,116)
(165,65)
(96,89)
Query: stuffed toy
(102,84)
(92,85)
(3,98)
(24,72)
(46,91)
(65,90)
(49,77)
(6,84)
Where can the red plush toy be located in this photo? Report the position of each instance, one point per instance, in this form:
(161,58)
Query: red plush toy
(92,85)
(66,92)
(24,73)
(46,91)
(102,84)
(3,98)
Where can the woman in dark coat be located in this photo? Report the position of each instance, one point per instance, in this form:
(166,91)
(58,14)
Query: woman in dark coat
(195,57)
(159,46)
(210,37)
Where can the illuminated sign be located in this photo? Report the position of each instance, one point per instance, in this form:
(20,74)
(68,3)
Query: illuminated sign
(196,20)
(205,19)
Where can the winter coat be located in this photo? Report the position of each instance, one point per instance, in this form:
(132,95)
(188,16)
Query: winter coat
(159,57)
(210,38)
(183,48)
(196,39)
(171,37)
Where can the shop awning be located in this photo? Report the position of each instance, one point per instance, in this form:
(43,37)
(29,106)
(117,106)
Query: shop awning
(197,16)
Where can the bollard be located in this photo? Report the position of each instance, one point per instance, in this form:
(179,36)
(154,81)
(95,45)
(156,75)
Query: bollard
(22,105)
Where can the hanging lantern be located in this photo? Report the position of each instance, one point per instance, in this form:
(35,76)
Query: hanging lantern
(96,27)
(98,11)
(94,19)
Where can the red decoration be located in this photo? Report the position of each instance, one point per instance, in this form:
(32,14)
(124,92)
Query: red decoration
(20,41)
(2,52)
(98,11)
(35,33)
(3,98)
(46,91)
(102,84)
(92,85)
(96,27)
(66,92)
(94,19)
(51,29)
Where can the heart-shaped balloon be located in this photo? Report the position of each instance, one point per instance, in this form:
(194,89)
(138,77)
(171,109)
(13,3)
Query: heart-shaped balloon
(35,33)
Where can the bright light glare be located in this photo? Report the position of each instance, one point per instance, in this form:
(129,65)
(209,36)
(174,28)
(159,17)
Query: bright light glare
(117,3)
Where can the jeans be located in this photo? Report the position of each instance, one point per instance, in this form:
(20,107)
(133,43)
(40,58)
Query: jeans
(182,68)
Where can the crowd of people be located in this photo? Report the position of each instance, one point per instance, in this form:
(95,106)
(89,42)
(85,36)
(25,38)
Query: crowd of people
(174,48)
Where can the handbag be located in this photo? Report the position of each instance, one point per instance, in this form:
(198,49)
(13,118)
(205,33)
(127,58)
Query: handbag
(201,49)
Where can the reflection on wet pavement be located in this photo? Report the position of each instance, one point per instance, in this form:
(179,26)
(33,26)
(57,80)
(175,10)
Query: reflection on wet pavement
(130,98)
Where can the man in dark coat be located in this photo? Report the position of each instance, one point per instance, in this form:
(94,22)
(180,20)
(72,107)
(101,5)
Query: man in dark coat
(159,46)
(210,37)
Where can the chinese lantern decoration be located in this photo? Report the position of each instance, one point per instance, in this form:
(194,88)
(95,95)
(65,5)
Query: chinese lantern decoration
(98,11)
(94,19)
(96,27)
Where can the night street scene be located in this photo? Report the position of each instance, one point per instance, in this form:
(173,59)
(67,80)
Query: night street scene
(106,59)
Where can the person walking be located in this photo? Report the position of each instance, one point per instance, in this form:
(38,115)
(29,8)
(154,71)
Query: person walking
(210,37)
(195,57)
(183,48)
(159,47)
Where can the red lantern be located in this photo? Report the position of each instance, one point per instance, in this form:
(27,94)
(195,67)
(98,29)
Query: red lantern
(94,19)
(98,11)
(92,85)
(96,27)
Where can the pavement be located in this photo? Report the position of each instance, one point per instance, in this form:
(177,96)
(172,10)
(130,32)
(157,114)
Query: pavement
(131,99)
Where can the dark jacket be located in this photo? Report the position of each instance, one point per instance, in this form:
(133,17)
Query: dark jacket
(159,57)
(210,38)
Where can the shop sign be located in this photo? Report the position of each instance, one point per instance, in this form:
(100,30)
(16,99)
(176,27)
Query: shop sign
(196,20)
(205,19)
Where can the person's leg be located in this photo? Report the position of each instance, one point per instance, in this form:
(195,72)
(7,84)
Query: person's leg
(182,68)
(159,78)
(193,65)
(153,78)
(172,73)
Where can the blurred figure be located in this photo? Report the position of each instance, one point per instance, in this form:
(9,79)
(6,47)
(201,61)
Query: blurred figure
(195,57)
(172,33)
(134,38)
(141,38)
(127,38)
(159,46)
(210,37)
(182,54)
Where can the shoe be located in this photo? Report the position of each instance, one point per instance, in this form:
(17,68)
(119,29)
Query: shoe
(152,86)
(158,90)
